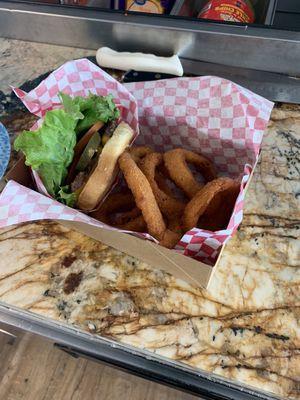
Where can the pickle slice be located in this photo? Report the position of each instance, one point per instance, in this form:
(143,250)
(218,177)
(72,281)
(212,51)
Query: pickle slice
(88,153)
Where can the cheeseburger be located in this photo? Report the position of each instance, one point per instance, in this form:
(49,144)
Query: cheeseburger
(76,149)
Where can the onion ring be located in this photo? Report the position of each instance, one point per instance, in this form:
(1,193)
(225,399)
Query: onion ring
(143,195)
(176,164)
(203,199)
(161,180)
(168,205)
(125,217)
(139,152)
(175,225)
(115,202)
(217,215)
(137,224)
(170,239)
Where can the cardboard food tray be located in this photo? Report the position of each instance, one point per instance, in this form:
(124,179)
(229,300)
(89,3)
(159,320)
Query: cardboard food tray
(183,112)
(182,267)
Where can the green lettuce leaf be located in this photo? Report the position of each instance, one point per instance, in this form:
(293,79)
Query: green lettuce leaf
(65,197)
(71,107)
(50,149)
(93,108)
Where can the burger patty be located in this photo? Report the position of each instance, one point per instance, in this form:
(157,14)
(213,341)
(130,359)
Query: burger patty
(79,180)
(82,176)
(111,127)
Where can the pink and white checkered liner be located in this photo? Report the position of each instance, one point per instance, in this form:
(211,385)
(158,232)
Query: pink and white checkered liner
(209,115)
(79,78)
(215,117)
(19,204)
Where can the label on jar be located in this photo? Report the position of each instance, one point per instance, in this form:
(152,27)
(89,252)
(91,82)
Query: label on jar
(147,6)
(228,10)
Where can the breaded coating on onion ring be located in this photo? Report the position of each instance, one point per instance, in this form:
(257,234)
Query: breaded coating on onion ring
(202,200)
(143,195)
(176,162)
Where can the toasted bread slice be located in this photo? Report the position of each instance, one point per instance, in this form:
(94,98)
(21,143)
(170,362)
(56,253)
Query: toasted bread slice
(106,170)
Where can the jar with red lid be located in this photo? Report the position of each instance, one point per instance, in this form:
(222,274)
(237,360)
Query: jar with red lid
(229,10)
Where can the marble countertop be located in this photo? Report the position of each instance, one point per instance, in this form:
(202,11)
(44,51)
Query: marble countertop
(247,326)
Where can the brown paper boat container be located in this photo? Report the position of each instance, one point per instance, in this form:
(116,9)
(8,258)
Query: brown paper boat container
(182,267)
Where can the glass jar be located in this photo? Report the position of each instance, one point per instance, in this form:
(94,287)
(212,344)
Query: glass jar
(229,10)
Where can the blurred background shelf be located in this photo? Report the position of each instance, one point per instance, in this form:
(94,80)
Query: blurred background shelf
(250,50)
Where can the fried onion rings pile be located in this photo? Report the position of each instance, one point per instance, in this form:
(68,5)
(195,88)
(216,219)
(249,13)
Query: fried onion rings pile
(164,196)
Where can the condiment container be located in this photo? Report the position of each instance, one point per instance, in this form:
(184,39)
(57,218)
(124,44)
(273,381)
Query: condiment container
(229,10)
(147,6)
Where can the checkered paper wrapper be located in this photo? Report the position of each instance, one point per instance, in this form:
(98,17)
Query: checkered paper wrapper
(77,78)
(208,115)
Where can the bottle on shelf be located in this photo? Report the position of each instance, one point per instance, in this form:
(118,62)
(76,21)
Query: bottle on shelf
(229,10)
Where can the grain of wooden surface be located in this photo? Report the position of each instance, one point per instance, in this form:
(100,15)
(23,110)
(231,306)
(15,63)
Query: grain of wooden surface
(32,369)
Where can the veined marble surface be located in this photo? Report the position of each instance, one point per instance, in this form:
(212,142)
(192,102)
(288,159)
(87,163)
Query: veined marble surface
(246,327)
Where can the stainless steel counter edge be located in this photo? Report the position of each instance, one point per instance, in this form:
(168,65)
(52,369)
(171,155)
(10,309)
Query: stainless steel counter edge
(253,47)
(138,362)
